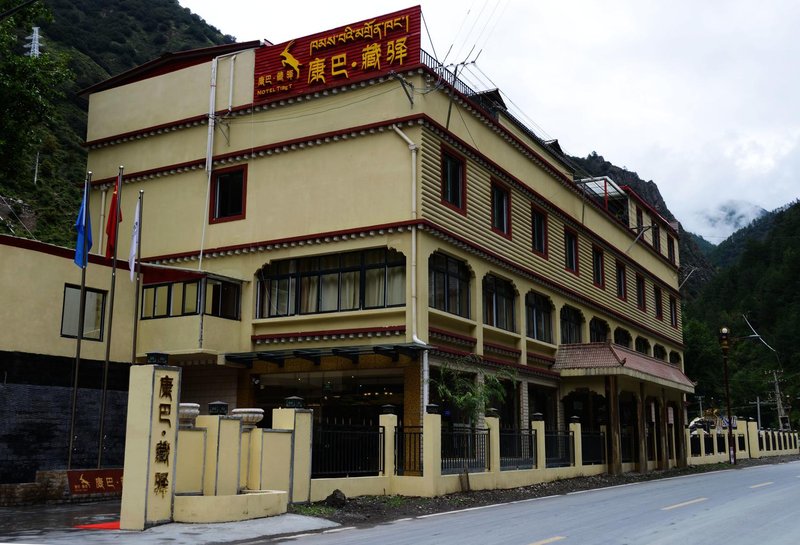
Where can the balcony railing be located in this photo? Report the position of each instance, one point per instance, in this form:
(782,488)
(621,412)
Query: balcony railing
(408,450)
(465,450)
(517,449)
(559,449)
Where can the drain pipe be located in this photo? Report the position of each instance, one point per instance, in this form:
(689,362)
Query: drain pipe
(425,365)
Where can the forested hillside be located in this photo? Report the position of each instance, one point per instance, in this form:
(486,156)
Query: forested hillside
(764,286)
(42,117)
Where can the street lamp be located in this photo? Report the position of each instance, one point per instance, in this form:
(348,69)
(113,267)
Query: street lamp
(724,342)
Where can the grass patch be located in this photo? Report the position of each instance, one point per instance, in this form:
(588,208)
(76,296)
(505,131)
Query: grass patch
(394,501)
(312,510)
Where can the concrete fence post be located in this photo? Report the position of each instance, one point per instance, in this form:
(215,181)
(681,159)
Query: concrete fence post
(493,424)
(541,456)
(389,424)
(577,440)
(432,451)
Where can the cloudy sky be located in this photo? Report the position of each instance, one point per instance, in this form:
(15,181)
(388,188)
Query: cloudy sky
(700,97)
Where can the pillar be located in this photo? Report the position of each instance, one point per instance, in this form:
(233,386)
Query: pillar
(614,426)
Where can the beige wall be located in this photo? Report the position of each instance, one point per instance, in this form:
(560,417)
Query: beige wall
(32,287)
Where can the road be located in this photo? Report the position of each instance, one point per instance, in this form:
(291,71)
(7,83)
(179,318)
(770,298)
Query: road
(757,505)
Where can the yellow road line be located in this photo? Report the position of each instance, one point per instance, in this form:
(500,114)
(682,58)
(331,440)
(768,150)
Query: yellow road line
(684,504)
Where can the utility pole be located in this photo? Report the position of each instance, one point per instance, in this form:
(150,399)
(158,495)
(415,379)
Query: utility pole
(783,419)
(700,401)
(758,404)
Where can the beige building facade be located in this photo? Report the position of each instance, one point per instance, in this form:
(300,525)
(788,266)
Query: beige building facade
(337,217)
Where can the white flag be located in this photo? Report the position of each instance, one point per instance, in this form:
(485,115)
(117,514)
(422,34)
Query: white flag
(135,239)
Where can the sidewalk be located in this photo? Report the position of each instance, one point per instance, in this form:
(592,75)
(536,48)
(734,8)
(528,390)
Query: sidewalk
(45,524)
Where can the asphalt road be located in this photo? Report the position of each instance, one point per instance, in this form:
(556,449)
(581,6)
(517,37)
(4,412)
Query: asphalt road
(758,505)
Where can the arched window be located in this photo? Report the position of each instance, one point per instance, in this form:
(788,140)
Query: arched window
(622,337)
(674,358)
(571,325)
(598,330)
(642,345)
(539,317)
(449,284)
(498,302)
(659,352)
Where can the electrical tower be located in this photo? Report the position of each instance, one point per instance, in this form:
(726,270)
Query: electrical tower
(34,43)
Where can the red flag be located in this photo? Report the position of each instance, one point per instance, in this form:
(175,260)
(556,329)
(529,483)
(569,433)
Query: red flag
(114,218)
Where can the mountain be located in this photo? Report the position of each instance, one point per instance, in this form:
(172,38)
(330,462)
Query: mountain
(83,42)
(696,270)
(763,285)
(730,216)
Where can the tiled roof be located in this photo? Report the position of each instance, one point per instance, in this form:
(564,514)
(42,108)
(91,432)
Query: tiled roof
(618,360)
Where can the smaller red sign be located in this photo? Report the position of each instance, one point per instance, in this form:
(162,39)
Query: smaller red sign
(94,481)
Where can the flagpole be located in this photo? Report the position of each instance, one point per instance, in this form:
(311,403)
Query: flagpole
(117,209)
(81,315)
(138,265)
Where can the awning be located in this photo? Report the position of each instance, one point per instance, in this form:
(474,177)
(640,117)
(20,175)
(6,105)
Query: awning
(315,355)
(594,359)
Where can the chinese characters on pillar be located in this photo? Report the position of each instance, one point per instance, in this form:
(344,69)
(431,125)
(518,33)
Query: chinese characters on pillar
(163,447)
(341,56)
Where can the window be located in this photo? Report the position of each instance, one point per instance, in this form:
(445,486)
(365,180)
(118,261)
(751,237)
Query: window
(656,232)
(671,249)
(673,311)
(642,345)
(539,317)
(539,231)
(598,268)
(641,301)
(93,313)
(498,302)
(169,300)
(674,358)
(571,251)
(228,191)
(622,337)
(659,352)
(639,220)
(332,283)
(598,330)
(571,324)
(622,288)
(657,302)
(449,284)
(453,181)
(222,299)
(501,210)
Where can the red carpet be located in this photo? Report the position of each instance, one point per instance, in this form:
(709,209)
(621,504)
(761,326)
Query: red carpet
(100,526)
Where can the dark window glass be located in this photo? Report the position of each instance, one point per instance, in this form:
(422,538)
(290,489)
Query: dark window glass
(571,251)
(640,294)
(332,283)
(449,284)
(639,220)
(622,287)
(498,303)
(642,345)
(657,302)
(222,299)
(671,249)
(659,352)
(501,209)
(571,325)
(656,231)
(453,181)
(622,337)
(228,188)
(539,317)
(93,313)
(673,312)
(598,330)
(598,268)
(539,231)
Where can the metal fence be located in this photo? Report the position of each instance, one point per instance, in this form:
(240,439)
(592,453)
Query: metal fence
(559,449)
(721,443)
(408,450)
(708,443)
(465,450)
(629,450)
(345,451)
(517,449)
(694,443)
(593,448)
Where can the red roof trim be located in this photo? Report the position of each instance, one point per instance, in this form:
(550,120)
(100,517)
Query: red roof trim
(446,333)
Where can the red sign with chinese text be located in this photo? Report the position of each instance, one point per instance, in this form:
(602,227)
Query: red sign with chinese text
(345,55)
(94,481)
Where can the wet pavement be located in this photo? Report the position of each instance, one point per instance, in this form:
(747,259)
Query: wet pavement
(45,524)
